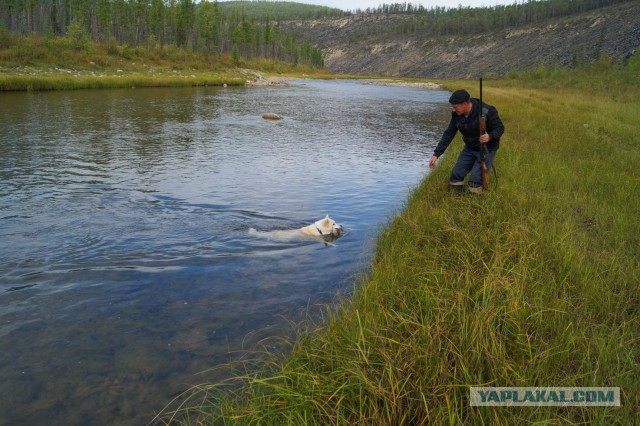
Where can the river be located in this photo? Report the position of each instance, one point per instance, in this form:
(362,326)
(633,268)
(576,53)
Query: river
(127,267)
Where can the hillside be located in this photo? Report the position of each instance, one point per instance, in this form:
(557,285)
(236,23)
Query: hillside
(277,10)
(358,44)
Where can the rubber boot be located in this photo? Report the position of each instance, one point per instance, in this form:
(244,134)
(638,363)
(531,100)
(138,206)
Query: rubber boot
(456,188)
(475,190)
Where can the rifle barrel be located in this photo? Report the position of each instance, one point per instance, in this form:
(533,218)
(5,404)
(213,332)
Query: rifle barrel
(480,95)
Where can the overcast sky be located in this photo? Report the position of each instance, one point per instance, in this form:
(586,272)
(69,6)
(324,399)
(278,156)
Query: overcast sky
(363,4)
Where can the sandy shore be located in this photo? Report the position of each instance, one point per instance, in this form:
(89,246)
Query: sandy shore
(402,83)
(258,79)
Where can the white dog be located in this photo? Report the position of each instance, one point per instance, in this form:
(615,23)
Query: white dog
(326,229)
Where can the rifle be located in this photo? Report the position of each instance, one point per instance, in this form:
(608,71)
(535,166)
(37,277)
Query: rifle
(483,146)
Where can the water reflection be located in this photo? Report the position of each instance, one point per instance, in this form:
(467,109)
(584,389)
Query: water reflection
(126,264)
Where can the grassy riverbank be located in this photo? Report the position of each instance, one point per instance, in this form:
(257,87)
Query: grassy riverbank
(532,284)
(32,63)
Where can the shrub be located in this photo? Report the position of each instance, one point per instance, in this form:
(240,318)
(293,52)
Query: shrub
(78,35)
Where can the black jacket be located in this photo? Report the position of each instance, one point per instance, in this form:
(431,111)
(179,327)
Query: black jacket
(470,128)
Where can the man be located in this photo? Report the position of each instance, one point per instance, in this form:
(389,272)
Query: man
(465,117)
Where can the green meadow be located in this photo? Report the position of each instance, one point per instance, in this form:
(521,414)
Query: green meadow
(533,283)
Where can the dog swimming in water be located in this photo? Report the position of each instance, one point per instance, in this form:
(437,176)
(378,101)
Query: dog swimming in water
(326,229)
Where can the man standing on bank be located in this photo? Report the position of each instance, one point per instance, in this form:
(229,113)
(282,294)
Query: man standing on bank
(465,117)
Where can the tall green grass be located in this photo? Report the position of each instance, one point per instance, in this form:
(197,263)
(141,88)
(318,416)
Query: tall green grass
(73,82)
(34,63)
(534,283)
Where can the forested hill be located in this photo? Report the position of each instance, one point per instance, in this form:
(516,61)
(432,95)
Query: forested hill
(397,39)
(214,29)
(465,42)
(279,10)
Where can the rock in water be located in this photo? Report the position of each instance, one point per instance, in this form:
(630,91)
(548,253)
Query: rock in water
(271,116)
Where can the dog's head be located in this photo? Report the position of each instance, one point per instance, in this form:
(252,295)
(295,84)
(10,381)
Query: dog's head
(329,228)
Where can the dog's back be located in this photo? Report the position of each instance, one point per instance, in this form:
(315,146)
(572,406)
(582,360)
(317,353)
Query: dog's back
(323,228)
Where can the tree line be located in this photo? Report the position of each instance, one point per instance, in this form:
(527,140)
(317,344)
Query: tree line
(252,28)
(199,27)
(466,20)
(281,10)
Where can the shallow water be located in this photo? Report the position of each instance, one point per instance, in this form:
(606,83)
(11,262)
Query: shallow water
(126,265)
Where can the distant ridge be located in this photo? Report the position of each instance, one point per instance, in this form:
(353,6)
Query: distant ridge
(284,10)
(372,44)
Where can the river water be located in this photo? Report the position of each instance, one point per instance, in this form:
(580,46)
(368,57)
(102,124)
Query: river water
(126,263)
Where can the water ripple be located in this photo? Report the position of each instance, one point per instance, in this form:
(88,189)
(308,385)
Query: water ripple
(126,251)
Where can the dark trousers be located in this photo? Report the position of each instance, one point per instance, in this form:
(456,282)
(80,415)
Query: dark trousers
(469,161)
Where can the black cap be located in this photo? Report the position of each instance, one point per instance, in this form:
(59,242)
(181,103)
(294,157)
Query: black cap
(459,96)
